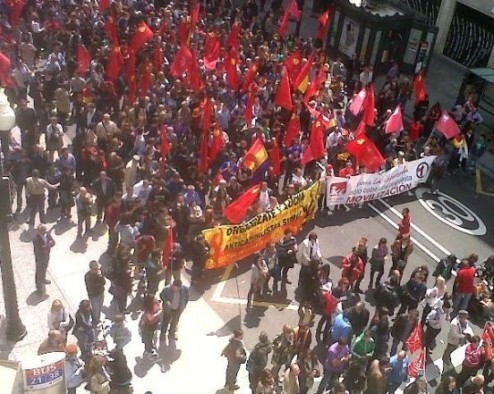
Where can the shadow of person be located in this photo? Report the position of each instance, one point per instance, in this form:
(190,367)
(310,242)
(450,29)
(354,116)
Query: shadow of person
(253,316)
(168,353)
(27,235)
(63,226)
(228,328)
(79,246)
(143,365)
(98,231)
(36,298)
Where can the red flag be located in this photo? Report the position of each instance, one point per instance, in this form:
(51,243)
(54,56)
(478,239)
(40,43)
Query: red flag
(115,63)
(366,153)
(16,11)
(315,84)
(165,144)
(284,95)
(104,5)
(182,60)
(293,130)
(212,48)
(447,125)
(249,108)
(314,112)
(307,155)
(182,32)
(130,66)
(83,59)
(360,129)
(417,366)
(316,140)
(141,36)
(217,144)
(302,80)
(369,106)
(249,77)
(276,158)
(168,249)
(204,158)
(357,102)
(231,61)
(111,30)
(236,211)
(293,10)
(194,74)
(283,24)
(206,116)
(419,86)
(324,24)
(487,339)
(415,340)
(194,17)
(132,95)
(158,57)
(293,65)
(395,122)
(163,27)
(232,40)
(145,79)
(5,68)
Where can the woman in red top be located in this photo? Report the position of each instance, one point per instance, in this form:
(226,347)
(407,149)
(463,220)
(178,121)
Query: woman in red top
(464,287)
(473,359)
(352,267)
(404,226)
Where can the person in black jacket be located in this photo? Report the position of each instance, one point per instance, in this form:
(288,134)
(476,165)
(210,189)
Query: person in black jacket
(121,376)
(402,328)
(258,360)
(104,189)
(199,253)
(358,316)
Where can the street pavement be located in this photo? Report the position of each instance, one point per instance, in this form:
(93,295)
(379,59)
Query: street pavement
(458,220)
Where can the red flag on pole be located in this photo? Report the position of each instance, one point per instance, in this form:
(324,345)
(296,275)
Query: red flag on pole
(357,102)
(360,129)
(366,153)
(293,130)
(236,211)
(206,116)
(16,11)
(168,248)
(293,11)
(293,65)
(324,24)
(182,32)
(212,48)
(276,158)
(315,84)
(204,158)
(217,144)
(111,30)
(249,77)
(395,122)
(104,5)
(194,17)
(145,81)
(231,61)
(302,80)
(158,57)
(417,366)
(232,40)
(284,94)
(316,140)
(115,63)
(181,63)
(447,125)
(141,36)
(194,74)
(307,155)
(369,107)
(415,340)
(419,86)
(83,59)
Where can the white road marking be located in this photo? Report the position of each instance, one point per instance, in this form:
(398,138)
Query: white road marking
(444,204)
(415,241)
(417,229)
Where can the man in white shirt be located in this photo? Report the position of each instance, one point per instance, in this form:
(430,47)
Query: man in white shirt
(298,179)
(264,196)
(309,250)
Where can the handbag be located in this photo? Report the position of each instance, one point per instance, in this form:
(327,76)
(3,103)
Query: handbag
(71,322)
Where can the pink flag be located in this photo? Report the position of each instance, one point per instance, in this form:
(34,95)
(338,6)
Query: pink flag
(447,125)
(395,122)
(357,102)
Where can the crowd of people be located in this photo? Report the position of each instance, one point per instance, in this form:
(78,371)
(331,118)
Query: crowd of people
(163,123)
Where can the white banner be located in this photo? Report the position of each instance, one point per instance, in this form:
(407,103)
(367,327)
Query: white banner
(367,187)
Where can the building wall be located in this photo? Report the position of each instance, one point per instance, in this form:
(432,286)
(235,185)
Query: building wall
(484,6)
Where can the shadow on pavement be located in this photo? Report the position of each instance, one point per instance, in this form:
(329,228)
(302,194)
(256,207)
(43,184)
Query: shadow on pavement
(169,354)
(254,315)
(36,298)
(335,260)
(27,235)
(228,328)
(79,245)
(6,346)
(63,226)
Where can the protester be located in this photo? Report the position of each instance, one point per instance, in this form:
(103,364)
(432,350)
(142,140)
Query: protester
(236,355)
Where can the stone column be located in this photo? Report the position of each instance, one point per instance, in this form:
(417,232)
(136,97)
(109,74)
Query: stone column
(443,22)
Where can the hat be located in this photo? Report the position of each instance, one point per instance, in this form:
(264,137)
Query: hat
(136,157)
(463,312)
(71,348)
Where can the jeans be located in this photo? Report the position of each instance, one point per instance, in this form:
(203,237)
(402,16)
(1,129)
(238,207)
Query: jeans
(460,302)
(85,338)
(327,381)
(83,218)
(97,305)
(231,374)
(40,274)
(380,272)
(37,204)
(171,319)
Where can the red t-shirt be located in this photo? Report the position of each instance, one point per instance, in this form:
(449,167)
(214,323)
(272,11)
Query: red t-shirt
(465,279)
(144,246)
(346,171)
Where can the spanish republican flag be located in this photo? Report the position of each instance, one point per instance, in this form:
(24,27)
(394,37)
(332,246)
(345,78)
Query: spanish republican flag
(236,211)
(255,156)
(302,81)
(366,153)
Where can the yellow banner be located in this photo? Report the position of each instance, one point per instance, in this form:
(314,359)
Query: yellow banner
(232,243)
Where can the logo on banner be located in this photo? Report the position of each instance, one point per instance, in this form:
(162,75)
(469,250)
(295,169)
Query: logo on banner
(422,170)
(338,188)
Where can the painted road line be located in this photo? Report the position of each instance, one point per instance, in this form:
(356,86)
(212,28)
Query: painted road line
(220,287)
(478,179)
(417,229)
(415,241)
